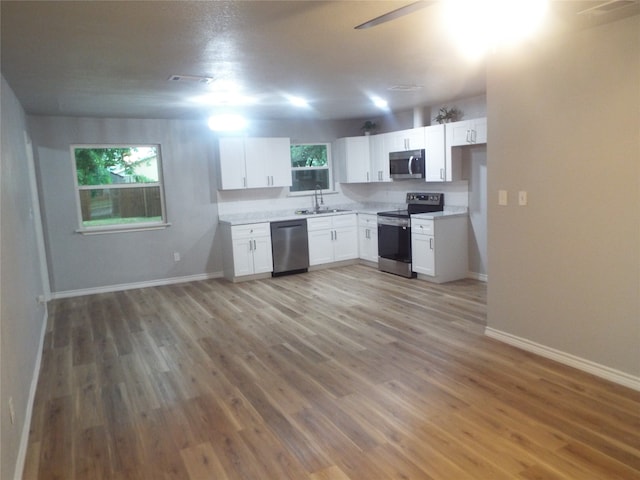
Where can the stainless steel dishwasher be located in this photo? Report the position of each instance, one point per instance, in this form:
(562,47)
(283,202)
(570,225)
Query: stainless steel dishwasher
(289,246)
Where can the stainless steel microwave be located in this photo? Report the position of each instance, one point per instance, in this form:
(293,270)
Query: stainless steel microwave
(407,164)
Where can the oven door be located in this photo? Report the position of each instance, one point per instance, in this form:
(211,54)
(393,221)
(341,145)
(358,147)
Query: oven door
(394,238)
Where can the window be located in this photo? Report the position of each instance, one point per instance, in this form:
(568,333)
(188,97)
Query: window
(118,186)
(311,167)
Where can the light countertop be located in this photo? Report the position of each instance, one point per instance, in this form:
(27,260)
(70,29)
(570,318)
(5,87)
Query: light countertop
(371,209)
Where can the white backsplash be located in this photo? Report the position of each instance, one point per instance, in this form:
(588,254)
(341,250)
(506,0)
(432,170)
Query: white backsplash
(391,194)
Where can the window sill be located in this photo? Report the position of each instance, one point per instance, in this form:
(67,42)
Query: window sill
(122,229)
(309,193)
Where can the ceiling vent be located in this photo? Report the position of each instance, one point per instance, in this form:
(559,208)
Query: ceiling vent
(190,79)
(608,6)
(405,88)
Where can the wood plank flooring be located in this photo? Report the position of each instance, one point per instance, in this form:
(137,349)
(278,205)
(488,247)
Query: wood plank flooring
(341,374)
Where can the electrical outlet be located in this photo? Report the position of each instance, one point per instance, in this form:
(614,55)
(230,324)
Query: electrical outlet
(12,411)
(522,198)
(176,256)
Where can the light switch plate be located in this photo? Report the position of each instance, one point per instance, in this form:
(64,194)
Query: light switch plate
(503,197)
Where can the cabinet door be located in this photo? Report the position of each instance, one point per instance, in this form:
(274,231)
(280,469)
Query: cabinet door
(257,153)
(345,243)
(458,133)
(414,138)
(320,246)
(242,257)
(435,153)
(422,253)
(368,243)
(379,158)
(262,255)
(352,155)
(232,165)
(480,130)
(279,162)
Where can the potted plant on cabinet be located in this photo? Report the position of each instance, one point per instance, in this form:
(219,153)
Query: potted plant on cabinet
(446,115)
(369,127)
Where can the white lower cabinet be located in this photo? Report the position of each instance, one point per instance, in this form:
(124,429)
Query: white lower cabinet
(332,238)
(439,248)
(368,237)
(247,250)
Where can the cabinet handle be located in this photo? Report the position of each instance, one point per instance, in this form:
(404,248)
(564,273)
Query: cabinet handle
(250,245)
(367,176)
(442,174)
(431,243)
(244,182)
(474,135)
(336,234)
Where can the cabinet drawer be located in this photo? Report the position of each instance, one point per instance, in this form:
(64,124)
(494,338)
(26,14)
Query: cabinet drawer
(319,223)
(422,227)
(250,230)
(348,220)
(367,220)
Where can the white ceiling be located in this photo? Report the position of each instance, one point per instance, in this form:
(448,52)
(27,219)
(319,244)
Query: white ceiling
(113,59)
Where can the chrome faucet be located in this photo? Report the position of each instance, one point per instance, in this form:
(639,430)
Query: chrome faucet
(315,195)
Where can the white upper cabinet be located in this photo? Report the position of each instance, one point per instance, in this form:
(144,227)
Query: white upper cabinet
(402,140)
(353,158)
(467,132)
(435,154)
(254,162)
(379,159)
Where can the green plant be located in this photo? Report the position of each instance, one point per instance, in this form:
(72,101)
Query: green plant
(446,115)
(369,126)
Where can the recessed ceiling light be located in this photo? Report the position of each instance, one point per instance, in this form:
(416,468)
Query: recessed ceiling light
(227,122)
(380,102)
(298,101)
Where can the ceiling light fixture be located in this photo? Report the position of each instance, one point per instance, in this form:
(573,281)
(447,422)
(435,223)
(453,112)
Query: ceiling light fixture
(298,101)
(227,122)
(380,102)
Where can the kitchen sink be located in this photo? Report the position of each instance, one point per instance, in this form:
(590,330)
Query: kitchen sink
(321,211)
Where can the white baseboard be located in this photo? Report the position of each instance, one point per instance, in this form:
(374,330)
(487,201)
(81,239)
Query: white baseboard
(483,277)
(26,427)
(602,371)
(130,286)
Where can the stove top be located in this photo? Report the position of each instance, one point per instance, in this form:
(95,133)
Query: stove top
(418,203)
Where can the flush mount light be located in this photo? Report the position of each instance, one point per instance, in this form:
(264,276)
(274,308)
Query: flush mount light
(380,102)
(227,122)
(298,101)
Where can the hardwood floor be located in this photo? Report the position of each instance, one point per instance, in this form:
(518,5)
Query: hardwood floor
(344,374)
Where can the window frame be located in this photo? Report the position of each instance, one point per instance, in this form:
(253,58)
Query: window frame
(329,168)
(118,227)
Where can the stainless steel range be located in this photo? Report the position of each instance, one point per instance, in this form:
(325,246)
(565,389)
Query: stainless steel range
(394,232)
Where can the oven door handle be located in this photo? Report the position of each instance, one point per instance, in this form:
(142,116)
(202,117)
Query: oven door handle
(410,165)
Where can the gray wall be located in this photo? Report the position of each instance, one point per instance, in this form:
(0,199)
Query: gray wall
(93,261)
(21,317)
(564,124)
